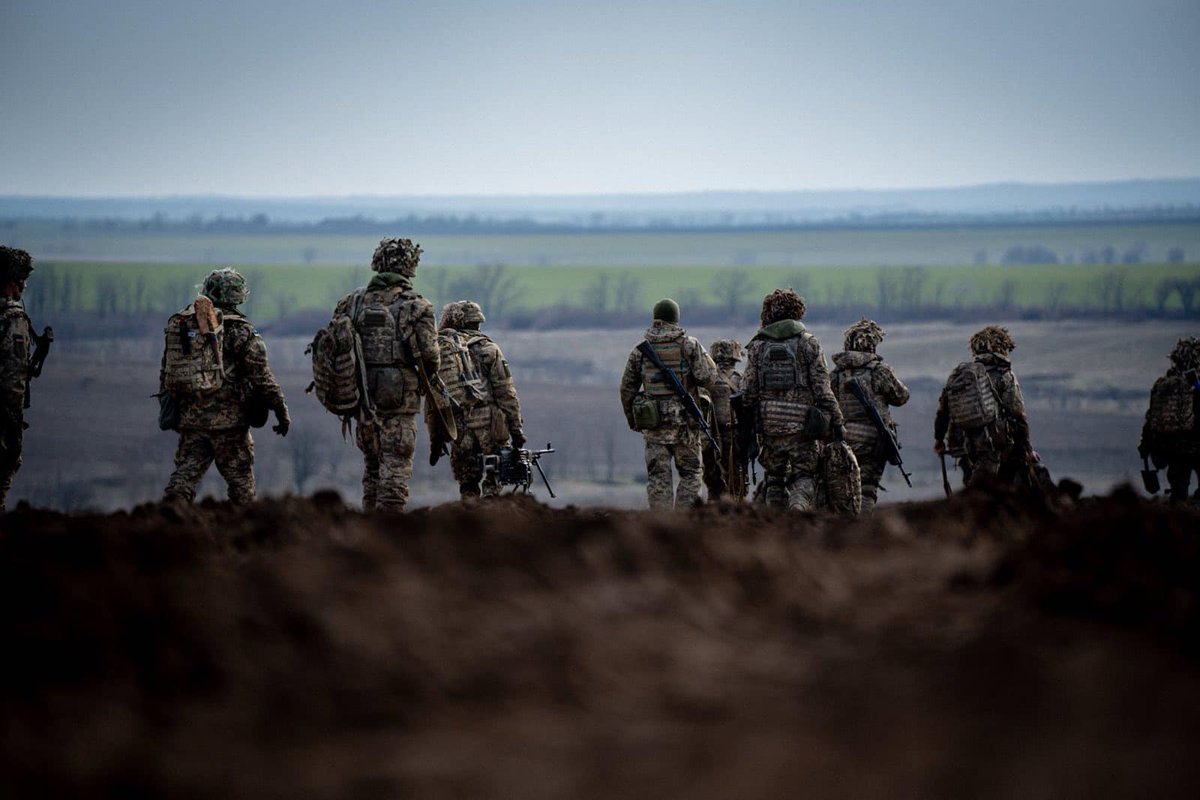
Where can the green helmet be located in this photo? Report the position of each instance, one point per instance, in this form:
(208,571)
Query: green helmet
(666,310)
(396,255)
(15,265)
(472,312)
(225,287)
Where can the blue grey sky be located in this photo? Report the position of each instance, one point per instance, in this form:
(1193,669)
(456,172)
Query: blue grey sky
(297,98)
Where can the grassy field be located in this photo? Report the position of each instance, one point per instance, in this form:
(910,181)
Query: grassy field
(280,289)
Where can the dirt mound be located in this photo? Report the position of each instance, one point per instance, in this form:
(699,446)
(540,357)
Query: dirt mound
(980,647)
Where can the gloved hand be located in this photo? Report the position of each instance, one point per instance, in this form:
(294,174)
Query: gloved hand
(518,438)
(839,432)
(939,446)
(284,422)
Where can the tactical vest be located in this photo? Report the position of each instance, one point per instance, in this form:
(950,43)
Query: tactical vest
(459,371)
(383,329)
(671,353)
(971,399)
(858,425)
(1172,406)
(192,361)
(782,367)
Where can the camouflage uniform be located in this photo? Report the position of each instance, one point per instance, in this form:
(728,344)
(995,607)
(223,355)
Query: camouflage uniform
(785,405)
(1178,452)
(999,453)
(726,353)
(214,427)
(16,335)
(677,436)
(859,362)
(490,424)
(388,437)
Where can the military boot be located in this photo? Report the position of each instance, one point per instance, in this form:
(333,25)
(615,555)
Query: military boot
(800,494)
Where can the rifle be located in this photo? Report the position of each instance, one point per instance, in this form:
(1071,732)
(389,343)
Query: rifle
(41,349)
(437,395)
(689,402)
(945,480)
(887,437)
(513,466)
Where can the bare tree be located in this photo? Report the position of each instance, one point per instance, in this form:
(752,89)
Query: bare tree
(911,284)
(303,449)
(887,287)
(731,288)
(627,292)
(491,286)
(596,293)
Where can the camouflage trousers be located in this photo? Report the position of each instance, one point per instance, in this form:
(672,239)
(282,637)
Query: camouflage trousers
(387,444)
(683,447)
(466,462)
(1179,477)
(10,457)
(790,464)
(233,452)
(994,467)
(871,467)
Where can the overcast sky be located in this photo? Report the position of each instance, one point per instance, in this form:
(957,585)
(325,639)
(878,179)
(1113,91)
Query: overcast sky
(290,97)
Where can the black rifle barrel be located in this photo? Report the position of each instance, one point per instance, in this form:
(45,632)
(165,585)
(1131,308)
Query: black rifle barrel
(689,402)
(893,446)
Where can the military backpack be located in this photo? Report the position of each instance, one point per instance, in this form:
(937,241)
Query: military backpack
(839,480)
(971,399)
(337,364)
(1172,406)
(782,371)
(192,355)
(858,425)
(458,370)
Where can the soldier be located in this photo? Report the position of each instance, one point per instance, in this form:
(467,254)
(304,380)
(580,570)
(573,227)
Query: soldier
(491,410)
(215,425)
(16,334)
(787,384)
(981,415)
(399,341)
(1171,435)
(724,472)
(653,409)
(859,362)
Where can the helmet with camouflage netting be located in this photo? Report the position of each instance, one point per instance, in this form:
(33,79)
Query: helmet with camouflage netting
(396,255)
(782,304)
(863,336)
(452,316)
(225,287)
(1186,355)
(472,312)
(726,351)
(992,339)
(15,265)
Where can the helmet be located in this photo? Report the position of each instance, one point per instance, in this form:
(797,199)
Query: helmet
(863,336)
(472,313)
(726,351)
(1186,354)
(782,304)
(666,310)
(396,255)
(225,287)
(452,316)
(15,265)
(992,339)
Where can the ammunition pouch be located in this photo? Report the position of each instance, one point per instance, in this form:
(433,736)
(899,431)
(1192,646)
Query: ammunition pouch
(386,386)
(645,412)
(257,409)
(168,411)
(818,425)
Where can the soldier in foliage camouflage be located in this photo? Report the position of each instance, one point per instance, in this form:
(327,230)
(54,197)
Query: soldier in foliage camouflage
(214,427)
(787,384)
(860,362)
(397,330)
(491,410)
(653,409)
(1171,434)
(16,334)
(999,452)
(726,354)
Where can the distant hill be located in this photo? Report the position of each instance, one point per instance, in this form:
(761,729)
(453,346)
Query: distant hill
(1144,198)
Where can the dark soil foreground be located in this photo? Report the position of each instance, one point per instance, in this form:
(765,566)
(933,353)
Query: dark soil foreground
(295,649)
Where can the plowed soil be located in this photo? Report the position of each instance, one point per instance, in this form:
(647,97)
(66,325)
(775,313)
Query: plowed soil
(988,647)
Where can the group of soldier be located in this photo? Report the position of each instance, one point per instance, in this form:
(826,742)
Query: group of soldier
(823,438)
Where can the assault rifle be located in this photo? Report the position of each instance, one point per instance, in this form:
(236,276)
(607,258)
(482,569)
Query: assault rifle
(514,466)
(437,396)
(745,438)
(689,402)
(41,349)
(891,446)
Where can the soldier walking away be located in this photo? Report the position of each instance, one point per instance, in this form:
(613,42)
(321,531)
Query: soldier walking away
(981,416)
(484,389)
(215,371)
(16,338)
(399,353)
(667,415)
(786,383)
(724,468)
(859,362)
(1171,435)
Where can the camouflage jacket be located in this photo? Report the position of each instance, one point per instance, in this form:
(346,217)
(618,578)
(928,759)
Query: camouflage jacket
(880,381)
(244,355)
(493,369)
(16,336)
(699,372)
(1177,444)
(416,324)
(1008,392)
(815,390)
